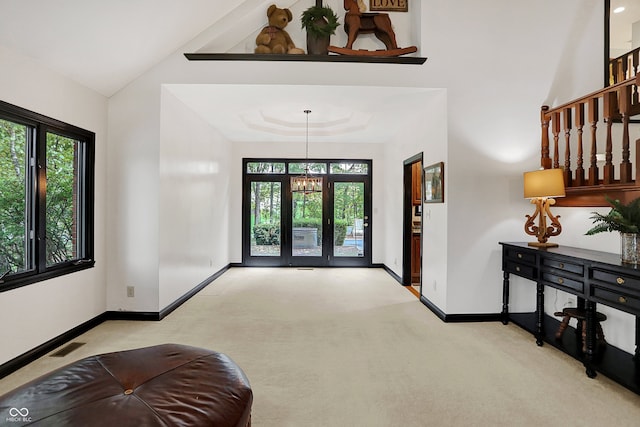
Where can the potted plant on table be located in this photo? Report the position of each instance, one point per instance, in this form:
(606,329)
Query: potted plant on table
(624,219)
(320,23)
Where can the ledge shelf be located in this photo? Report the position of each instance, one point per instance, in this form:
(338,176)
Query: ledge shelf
(304,58)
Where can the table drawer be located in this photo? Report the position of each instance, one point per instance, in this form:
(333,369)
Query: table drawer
(520,255)
(563,266)
(560,282)
(624,302)
(522,270)
(615,279)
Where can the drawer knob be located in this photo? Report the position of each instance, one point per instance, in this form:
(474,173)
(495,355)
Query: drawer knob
(518,268)
(620,280)
(622,300)
(520,256)
(560,280)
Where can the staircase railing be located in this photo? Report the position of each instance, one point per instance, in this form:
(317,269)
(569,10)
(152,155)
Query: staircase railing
(587,184)
(624,67)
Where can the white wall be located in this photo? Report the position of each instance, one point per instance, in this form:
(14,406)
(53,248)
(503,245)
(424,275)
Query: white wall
(427,134)
(499,68)
(195,166)
(495,63)
(499,72)
(34,314)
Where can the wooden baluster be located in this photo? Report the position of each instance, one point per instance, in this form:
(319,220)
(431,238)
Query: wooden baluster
(610,108)
(593,119)
(545,161)
(625,106)
(619,73)
(556,137)
(624,69)
(579,121)
(613,70)
(567,146)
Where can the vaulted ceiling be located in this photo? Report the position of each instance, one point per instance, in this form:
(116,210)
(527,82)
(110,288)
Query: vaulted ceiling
(104,44)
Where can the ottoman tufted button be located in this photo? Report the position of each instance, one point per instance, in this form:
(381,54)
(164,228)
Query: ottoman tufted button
(128,391)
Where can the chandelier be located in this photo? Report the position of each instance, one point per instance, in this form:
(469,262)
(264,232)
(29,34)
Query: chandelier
(304,183)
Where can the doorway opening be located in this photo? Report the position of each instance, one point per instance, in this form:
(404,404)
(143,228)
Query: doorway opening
(412,225)
(327,227)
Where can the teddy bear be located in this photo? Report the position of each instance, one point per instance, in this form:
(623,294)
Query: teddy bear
(274,38)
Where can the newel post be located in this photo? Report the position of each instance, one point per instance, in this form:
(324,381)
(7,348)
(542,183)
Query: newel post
(545,160)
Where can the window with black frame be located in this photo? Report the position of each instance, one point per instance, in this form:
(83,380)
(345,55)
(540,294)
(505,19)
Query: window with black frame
(46,197)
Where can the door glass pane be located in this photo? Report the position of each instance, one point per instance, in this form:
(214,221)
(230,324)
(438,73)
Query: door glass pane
(265,167)
(349,220)
(266,203)
(349,168)
(13,198)
(62,199)
(314,168)
(307,224)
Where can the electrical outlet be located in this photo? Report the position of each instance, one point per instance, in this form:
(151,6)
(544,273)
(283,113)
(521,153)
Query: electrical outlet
(131,291)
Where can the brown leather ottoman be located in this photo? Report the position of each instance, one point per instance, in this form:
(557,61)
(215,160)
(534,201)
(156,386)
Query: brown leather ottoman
(163,385)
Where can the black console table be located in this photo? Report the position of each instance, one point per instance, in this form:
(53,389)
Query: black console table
(595,278)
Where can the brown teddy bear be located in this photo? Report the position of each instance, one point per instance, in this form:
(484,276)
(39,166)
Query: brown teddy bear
(274,39)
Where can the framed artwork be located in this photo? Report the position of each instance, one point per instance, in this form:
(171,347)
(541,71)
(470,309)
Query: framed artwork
(433,179)
(389,5)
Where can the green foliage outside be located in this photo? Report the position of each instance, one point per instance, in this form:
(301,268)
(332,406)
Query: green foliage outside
(61,219)
(267,234)
(339,232)
(12,197)
(14,194)
(307,211)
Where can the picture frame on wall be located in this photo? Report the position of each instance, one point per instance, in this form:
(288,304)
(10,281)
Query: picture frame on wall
(433,179)
(389,5)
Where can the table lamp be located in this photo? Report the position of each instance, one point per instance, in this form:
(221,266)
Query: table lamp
(541,187)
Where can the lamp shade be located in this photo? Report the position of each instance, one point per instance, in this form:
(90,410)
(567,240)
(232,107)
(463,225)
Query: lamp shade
(544,183)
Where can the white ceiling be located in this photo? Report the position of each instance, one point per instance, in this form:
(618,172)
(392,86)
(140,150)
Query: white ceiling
(269,113)
(104,45)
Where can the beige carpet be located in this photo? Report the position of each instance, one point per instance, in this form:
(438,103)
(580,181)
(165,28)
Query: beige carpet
(351,347)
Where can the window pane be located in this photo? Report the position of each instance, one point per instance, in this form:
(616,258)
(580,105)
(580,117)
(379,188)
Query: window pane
(307,224)
(62,203)
(349,168)
(313,167)
(348,219)
(266,167)
(266,200)
(14,222)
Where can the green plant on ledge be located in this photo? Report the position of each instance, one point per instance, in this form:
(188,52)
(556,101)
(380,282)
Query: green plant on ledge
(319,21)
(622,218)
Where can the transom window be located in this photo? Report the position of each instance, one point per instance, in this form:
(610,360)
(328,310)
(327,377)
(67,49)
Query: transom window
(46,197)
